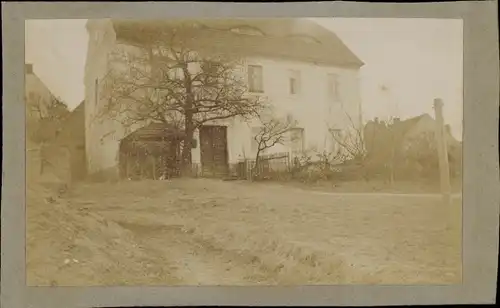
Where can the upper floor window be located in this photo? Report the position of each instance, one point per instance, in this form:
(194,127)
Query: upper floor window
(294,82)
(247,30)
(255,79)
(175,73)
(333,87)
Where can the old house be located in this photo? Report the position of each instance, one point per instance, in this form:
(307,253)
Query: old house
(303,69)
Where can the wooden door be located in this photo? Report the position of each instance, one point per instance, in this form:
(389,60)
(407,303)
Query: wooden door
(213,151)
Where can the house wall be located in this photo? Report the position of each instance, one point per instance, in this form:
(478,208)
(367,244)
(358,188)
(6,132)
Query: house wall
(312,107)
(101,149)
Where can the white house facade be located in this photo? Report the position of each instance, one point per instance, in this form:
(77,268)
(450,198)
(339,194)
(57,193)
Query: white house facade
(320,91)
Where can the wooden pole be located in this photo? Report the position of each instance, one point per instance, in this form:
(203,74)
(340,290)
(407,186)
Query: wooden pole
(154,167)
(444,167)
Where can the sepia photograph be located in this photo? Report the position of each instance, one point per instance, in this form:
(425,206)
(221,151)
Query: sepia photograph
(244,151)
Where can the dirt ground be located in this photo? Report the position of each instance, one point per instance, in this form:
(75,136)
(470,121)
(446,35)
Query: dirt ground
(210,232)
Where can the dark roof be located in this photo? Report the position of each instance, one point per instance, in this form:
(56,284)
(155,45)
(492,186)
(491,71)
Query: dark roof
(80,107)
(155,131)
(77,113)
(279,39)
(399,129)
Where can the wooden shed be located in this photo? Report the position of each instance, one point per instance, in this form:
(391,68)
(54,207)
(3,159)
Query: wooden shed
(151,152)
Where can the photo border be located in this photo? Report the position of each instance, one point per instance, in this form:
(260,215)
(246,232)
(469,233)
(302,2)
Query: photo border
(480,182)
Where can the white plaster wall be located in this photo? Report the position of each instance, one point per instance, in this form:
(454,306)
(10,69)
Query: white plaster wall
(101,146)
(312,107)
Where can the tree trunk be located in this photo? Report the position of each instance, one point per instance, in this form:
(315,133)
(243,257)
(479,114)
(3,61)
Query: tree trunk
(188,139)
(186,168)
(255,171)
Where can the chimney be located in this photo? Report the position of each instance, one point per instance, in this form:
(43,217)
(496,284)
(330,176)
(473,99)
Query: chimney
(28,68)
(447,128)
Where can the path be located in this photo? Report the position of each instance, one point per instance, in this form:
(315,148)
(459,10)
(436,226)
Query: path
(193,261)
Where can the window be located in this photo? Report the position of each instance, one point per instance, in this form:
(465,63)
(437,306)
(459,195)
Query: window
(96,91)
(294,82)
(176,73)
(255,82)
(297,139)
(333,87)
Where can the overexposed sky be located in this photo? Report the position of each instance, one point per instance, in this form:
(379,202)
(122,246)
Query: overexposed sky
(417,60)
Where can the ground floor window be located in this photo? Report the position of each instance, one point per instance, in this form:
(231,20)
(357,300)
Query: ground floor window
(336,137)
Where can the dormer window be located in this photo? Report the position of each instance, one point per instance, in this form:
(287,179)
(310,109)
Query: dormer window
(305,38)
(247,31)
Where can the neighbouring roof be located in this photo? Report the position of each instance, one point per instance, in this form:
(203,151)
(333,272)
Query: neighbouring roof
(405,126)
(79,111)
(279,38)
(33,83)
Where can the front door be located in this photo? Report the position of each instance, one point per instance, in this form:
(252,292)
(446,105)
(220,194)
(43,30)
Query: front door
(213,151)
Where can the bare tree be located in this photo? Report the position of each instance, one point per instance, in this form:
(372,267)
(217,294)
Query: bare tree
(351,141)
(169,80)
(272,131)
(374,146)
(44,117)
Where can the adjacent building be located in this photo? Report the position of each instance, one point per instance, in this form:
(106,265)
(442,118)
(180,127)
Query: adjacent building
(304,70)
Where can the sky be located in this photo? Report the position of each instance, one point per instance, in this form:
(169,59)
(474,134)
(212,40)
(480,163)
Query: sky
(415,60)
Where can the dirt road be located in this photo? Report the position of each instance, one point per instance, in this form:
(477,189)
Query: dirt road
(206,232)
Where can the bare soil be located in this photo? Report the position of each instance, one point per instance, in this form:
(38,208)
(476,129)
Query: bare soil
(210,232)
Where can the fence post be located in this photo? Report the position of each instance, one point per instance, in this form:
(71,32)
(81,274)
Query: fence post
(444,167)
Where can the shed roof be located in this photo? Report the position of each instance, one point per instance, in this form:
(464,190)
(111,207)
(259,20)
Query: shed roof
(155,131)
(279,38)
